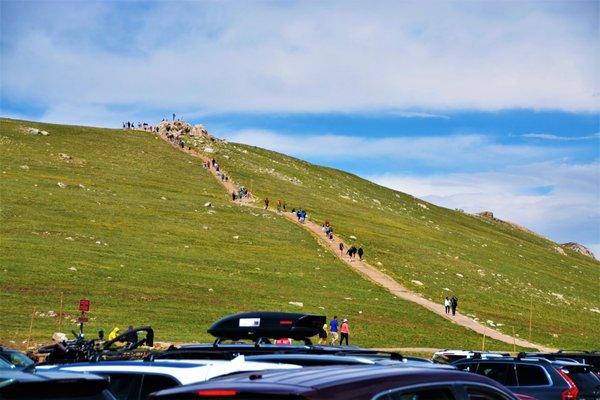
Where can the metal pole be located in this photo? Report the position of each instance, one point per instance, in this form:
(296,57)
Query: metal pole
(514,341)
(30,327)
(530,316)
(483,340)
(60,314)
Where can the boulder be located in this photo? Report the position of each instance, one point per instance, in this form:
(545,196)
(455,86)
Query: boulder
(579,248)
(174,130)
(486,214)
(36,131)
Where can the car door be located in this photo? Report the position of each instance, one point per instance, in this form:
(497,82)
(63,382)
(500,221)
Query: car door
(502,372)
(533,380)
(154,382)
(125,386)
(474,391)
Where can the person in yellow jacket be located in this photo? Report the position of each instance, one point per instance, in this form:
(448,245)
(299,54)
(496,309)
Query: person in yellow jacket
(114,333)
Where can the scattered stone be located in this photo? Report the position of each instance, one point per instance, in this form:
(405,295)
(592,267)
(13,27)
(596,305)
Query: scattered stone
(486,214)
(560,250)
(61,185)
(352,237)
(64,157)
(25,167)
(163,198)
(36,131)
(416,282)
(423,206)
(69,238)
(595,310)
(296,303)
(210,289)
(379,263)
(72,269)
(209,204)
(459,275)
(209,150)
(81,186)
(236,237)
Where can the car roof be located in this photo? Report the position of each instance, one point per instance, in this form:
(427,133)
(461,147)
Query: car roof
(529,360)
(318,377)
(40,376)
(185,371)
(314,379)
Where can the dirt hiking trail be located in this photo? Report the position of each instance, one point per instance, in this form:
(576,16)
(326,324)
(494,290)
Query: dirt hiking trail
(368,271)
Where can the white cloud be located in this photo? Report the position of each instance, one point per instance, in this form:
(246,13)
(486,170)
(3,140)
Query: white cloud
(301,57)
(549,136)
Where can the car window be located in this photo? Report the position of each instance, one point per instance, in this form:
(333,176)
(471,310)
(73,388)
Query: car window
(467,367)
(125,386)
(19,360)
(531,375)
(501,372)
(153,383)
(585,380)
(479,393)
(442,393)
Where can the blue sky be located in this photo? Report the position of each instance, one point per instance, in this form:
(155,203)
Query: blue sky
(472,105)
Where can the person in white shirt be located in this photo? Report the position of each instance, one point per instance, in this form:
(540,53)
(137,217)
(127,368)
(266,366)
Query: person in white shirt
(447,305)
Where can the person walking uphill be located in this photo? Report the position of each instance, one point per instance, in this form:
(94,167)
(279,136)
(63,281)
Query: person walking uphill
(453,304)
(344,331)
(341,249)
(266,203)
(447,305)
(360,253)
(333,328)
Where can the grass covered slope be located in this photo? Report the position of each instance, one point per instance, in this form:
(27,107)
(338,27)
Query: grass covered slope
(497,271)
(131,233)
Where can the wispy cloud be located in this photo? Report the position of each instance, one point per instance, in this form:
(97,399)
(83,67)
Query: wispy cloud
(300,57)
(549,136)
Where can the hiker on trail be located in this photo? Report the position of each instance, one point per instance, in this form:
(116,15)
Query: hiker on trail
(333,328)
(323,335)
(266,203)
(447,305)
(341,249)
(283,206)
(351,252)
(233,196)
(213,162)
(331,237)
(279,205)
(345,331)
(360,253)
(453,304)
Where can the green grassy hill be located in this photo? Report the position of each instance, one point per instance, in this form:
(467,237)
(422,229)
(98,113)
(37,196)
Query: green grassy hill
(498,271)
(131,232)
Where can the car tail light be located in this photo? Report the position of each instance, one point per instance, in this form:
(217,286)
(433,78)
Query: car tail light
(217,393)
(572,392)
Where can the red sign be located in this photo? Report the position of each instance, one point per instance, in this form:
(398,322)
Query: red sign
(84,305)
(81,320)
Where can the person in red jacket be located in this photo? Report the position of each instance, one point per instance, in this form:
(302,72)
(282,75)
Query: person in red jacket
(344,331)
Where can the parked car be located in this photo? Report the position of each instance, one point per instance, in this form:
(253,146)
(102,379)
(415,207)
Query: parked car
(538,377)
(313,360)
(449,356)
(134,380)
(15,357)
(48,385)
(592,358)
(347,382)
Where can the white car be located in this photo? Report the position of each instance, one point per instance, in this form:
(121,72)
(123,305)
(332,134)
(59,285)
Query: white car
(134,380)
(449,356)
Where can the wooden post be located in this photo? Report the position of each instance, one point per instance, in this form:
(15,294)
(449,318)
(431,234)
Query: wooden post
(514,341)
(30,327)
(483,340)
(60,313)
(530,316)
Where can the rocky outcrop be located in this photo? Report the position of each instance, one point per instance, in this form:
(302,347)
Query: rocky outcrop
(579,248)
(486,214)
(175,130)
(36,131)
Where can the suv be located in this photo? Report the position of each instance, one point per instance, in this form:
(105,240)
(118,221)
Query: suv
(538,377)
(134,380)
(348,383)
(449,356)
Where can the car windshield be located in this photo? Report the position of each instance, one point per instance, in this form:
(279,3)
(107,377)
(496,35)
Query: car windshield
(585,380)
(17,359)
(5,364)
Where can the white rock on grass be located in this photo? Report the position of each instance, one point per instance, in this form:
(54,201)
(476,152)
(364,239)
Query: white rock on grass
(72,269)
(25,167)
(208,204)
(296,303)
(61,185)
(423,206)
(459,275)
(352,237)
(416,282)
